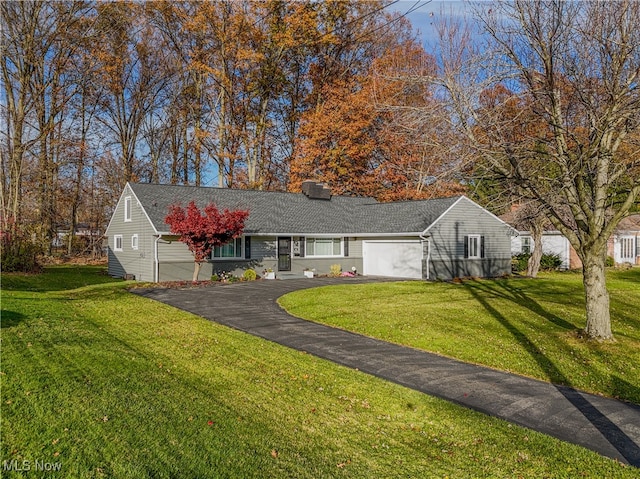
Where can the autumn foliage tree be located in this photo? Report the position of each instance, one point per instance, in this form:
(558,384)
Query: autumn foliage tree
(202,232)
(338,144)
(368,134)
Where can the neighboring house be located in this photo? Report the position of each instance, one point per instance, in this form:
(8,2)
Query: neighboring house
(290,232)
(83,231)
(87,239)
(624,245)
(553,242)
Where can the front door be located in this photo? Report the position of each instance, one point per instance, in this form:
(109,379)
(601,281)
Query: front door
(284,254)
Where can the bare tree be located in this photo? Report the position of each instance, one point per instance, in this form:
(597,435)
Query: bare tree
(133,76)
(574,67)
(37,68)
(20,38)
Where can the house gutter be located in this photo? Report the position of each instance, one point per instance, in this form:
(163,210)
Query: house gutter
(428,240)
(156,259)
(334,235)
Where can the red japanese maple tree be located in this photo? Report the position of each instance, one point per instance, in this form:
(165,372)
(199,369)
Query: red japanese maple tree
(202,232)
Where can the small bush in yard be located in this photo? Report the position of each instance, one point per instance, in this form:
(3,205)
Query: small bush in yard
(249,275)
(519,262)
(18,253)
(548,262)
(335,270)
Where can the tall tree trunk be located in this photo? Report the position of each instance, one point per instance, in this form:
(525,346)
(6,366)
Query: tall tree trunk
(185,157)
(45,194)
(78,183)
(197,155)
(596,295)
(196,271)
(198,131)
(533,265)
(222,138)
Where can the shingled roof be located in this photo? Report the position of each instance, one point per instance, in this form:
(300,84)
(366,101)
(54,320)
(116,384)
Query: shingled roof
(272,213)
(629,224)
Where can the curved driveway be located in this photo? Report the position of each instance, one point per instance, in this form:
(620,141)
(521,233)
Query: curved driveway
(605,425)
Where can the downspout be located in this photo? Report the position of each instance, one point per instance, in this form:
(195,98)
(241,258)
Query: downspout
(426,238)
(155,257)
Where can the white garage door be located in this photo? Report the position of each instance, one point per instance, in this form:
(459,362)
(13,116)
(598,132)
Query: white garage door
(398,259)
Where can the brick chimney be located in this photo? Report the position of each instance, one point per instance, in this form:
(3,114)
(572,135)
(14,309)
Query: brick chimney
(316,191)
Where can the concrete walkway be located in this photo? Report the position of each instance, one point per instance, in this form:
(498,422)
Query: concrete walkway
(605,425)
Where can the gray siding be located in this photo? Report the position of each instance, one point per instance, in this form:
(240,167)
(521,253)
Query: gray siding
(172,250)
(183,271)
(448,243)
(464,268)
(176,262)
(140,262)
(264,247)
(264,255)
(355,248)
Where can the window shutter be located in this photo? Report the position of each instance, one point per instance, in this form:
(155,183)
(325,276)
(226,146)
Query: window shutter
(247,247)
(466,246)
(482,246)
(346,246)
(303,242)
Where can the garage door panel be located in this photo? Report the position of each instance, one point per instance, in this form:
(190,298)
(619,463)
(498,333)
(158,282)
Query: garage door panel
(398,259)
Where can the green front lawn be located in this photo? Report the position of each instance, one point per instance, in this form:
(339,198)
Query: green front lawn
(526,326)
(109,384)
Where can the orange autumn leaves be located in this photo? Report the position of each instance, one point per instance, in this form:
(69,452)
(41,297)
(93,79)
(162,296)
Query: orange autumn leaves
(366,136)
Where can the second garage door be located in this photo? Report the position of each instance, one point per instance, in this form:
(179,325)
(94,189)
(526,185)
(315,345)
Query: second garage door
(397,259)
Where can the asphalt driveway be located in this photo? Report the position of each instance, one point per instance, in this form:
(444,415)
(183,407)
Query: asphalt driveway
(605,425)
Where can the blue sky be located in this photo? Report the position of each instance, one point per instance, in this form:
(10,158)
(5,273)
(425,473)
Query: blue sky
(425,13)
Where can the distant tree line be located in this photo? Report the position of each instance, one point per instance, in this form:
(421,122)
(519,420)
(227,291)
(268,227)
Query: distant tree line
(241,94)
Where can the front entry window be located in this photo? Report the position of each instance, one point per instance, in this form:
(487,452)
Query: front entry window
(233,249)
(323,247)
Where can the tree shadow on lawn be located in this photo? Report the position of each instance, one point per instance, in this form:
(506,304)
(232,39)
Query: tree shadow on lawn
(616,437)
(9,319)
(509,291)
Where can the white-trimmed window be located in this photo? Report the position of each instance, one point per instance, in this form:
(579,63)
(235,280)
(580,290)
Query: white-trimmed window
(627,249)
(233,249)
(127,208)
(526,244)
(134,241)
(474,247)
(323,247)
(117,243)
